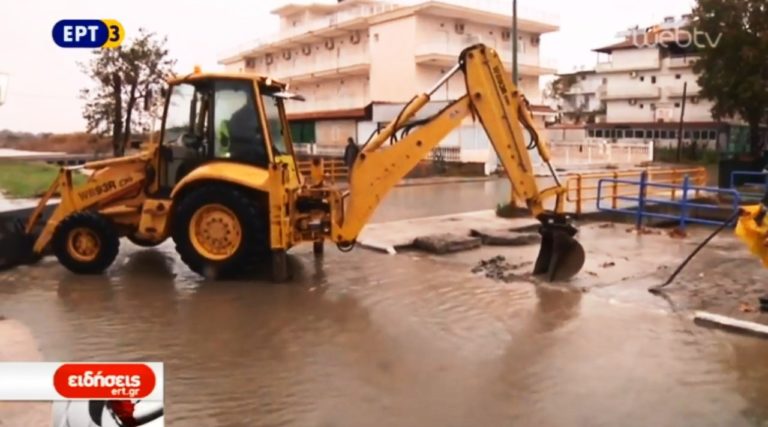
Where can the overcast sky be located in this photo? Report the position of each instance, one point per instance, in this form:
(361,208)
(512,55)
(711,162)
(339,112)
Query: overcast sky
(45,79)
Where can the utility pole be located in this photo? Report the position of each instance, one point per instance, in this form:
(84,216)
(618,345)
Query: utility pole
(514,42)
(682,118)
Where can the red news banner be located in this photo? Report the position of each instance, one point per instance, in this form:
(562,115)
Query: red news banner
(89,394)
(51,381)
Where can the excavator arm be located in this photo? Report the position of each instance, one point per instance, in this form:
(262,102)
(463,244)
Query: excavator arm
(503,112)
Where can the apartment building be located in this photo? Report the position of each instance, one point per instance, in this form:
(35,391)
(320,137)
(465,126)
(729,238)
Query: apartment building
(641,80)
(358,61)
(580,103)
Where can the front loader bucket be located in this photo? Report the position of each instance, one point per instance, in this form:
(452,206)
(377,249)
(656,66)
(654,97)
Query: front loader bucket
(15,244)
(560,256)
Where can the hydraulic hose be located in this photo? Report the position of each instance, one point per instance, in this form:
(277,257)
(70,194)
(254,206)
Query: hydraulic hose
(658,289)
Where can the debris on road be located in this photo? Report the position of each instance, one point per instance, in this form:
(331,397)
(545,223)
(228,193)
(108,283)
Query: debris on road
(498,269)
(591,273)
(505,237)
(607,225)
(677,233)
(607,264)
(446,243)
(644,230)
(746,307)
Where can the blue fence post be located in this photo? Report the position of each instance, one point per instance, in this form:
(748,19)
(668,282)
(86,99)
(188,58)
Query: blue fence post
(684,202)
(641,200)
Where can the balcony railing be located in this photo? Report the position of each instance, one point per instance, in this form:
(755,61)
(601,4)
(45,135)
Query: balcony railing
(682,61)
(677,90)
(305,66)
(503,7)
(341,102)
(633,92)
(609,66)
(452,51)
(331,20)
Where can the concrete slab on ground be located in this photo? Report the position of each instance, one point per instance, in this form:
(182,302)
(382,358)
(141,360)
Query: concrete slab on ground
(388,236)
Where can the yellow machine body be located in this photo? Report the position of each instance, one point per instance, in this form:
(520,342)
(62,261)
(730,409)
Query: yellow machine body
(142,195)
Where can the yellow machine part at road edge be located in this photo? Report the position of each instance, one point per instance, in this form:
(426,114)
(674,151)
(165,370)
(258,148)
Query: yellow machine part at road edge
(752,233)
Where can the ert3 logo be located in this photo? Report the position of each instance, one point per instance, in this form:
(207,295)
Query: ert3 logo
(88,33)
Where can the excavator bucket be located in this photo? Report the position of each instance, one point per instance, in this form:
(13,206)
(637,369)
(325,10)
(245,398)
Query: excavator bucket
(15,244)
(560,256)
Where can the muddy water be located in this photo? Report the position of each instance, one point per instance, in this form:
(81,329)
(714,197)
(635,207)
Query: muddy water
(363,339)
(420,201)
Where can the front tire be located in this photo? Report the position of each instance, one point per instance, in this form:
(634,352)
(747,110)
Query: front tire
(86,243)
(219,230)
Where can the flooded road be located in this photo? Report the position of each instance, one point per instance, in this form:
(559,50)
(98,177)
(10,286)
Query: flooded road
(418,201)
(364,339)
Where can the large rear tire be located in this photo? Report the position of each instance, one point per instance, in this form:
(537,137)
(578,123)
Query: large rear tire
(85,243)
(219,230)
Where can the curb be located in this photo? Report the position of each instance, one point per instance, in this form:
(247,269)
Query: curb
(704,318)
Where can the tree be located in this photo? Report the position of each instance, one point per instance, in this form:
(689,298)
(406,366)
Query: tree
(124,79)
(733,69)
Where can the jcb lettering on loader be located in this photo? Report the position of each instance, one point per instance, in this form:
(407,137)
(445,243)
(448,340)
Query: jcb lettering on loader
(223,182)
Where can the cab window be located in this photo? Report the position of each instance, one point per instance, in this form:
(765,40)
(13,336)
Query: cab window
(238,134)
(274,121)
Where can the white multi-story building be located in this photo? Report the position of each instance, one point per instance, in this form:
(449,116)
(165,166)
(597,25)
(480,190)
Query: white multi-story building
(580,103)
(358,61)
(642,80)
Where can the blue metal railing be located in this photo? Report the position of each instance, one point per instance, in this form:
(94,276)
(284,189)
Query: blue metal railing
(638,205)
(755,188)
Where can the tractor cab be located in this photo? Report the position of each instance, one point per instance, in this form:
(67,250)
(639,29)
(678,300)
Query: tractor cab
(223,118)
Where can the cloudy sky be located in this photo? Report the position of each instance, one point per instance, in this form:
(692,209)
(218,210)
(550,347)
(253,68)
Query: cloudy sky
(45,79)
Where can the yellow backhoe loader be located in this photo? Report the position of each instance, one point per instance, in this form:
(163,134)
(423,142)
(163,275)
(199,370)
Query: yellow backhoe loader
(222,181)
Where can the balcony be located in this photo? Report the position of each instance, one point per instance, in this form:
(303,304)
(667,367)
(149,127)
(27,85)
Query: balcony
(677,91)
(612,67)
(353,64)
(632,92)
(447,54)
(332,25)
(342,102)
(682,61)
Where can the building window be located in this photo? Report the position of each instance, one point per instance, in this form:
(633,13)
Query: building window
(599,133)
(677,105)
(618,133)
(687,134)
(696,134)
(664,134)
(591,133)
(638,133)
(642,105)
(605,80)
(656,134)
(642,78)
(583,77)
(713,135)
(653,79)
(677,76)
(673,134)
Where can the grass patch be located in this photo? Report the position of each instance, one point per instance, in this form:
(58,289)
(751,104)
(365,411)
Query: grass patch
(26,179)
